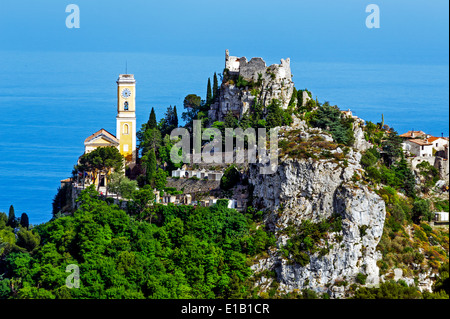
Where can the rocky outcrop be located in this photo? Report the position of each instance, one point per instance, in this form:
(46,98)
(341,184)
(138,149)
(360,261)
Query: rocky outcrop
(360,144)
(315,189)
(244,82)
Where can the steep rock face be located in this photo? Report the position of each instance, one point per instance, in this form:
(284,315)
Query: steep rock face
(360,141)
(314,190)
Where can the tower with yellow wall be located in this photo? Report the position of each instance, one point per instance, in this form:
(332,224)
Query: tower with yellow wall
(126,116)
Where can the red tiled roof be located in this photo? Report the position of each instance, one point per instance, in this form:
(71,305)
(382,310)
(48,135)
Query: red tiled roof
(416,134)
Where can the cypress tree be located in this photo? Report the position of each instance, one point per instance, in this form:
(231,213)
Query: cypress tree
(215,87)
(24,221)
(175,117)
(151,167)
(152,120)
(208,92)
(11,217)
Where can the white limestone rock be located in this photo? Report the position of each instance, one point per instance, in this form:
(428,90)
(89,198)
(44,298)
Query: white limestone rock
(314,190)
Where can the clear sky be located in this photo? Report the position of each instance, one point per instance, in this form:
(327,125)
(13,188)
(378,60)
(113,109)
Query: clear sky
(411,31)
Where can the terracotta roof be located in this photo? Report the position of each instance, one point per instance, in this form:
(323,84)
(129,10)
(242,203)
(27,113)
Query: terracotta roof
(420,142)
(416,134)
(102,132)
(434,138)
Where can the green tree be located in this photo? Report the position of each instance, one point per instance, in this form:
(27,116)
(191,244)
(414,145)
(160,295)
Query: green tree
(392,147)
(175,117)
(142,199)
(230,178)
(215,89)
(24,221)
(151,124)
(121,185)
(192,101)
(230,121)
(429,174)
(149,139)
(3,220)
(160,179)
(5,288)
(150,166)
(127,187)
(12,221)
(195,108)
(62,199)
(101,160)
(329,118)
(208,92)
(293,100)
(28,239)
(368,159)
(405,177)
(275,114)
(442,282)
(169,122)
(421,211)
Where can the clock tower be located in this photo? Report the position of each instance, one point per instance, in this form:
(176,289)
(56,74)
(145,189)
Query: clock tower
(126,116)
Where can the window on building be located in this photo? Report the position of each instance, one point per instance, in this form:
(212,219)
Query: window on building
(125,129)
(125,148)
(125,106)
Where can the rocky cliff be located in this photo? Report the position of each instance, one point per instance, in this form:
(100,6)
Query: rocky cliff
(315,190)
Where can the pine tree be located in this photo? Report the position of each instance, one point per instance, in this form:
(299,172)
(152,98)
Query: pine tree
(230,120)
(215,87)
(392,147)
(152,120)
(208,92)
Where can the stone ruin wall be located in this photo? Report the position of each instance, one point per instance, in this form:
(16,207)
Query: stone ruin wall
(275,83)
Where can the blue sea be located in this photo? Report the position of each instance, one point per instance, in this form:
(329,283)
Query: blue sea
(51,101)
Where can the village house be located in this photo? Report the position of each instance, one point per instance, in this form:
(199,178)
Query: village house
(439,143)
(418,147)
(441,217)
(418,143)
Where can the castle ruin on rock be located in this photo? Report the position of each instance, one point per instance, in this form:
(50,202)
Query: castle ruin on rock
(245,82)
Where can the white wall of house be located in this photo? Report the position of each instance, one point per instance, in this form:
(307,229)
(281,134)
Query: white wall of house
(439,144)
(441,216)
(418,150)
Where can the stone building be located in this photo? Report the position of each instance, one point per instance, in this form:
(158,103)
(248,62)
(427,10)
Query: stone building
(264,83)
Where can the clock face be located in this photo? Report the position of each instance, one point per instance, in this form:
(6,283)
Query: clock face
(126,93)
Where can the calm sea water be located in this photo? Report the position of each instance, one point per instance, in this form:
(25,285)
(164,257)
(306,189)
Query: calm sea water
(50,102)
